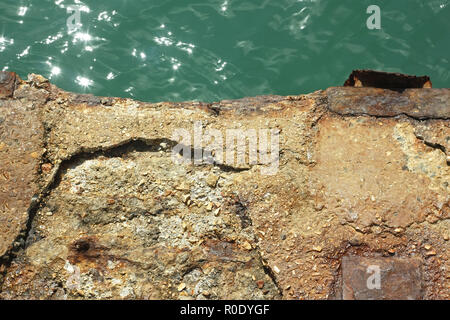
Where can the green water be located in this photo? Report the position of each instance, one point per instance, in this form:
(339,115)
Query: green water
(220,49)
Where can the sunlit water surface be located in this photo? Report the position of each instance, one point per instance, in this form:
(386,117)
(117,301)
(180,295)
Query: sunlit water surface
(220,49)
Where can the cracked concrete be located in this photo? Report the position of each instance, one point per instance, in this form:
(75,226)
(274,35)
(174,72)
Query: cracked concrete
(100,210)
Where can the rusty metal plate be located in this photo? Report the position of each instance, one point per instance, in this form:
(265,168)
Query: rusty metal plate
(387,80)
(383,278)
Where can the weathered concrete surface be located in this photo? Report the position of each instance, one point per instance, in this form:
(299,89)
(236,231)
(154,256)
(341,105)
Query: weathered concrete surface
(21,148)
(116,218)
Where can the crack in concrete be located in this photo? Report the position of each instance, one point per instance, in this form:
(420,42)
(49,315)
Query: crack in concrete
(116,150)
(435,146)
(266,267)
(268,271)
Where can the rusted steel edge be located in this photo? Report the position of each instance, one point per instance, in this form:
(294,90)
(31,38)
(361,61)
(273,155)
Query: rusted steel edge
(386,80)
(420,104)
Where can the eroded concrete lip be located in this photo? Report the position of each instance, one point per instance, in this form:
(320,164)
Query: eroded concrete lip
(379,102)
(386,80)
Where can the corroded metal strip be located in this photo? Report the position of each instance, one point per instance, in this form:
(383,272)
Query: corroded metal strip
(416,103)
(387,80)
